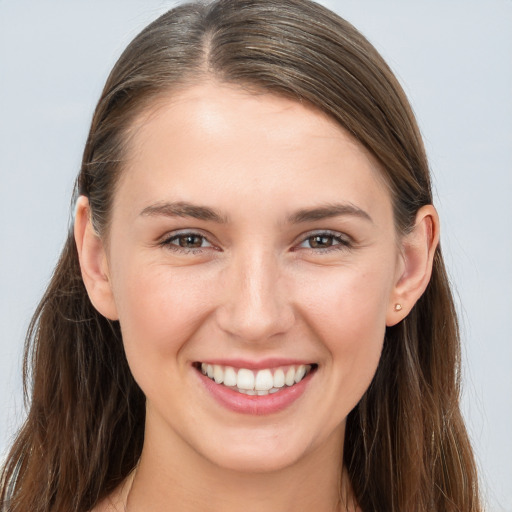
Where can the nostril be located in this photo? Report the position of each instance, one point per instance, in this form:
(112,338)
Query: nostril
(256,323)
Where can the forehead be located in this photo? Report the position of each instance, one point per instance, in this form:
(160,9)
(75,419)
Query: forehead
(213,140)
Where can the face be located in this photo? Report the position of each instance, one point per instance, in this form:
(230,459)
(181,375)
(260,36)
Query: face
(252,240)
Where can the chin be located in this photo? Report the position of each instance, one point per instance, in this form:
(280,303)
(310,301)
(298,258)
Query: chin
(259,451)
(253,459)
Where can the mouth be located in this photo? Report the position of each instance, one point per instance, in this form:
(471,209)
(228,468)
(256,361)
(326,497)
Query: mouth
(262,382)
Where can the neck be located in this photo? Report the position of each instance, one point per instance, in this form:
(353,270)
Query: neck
(175,477)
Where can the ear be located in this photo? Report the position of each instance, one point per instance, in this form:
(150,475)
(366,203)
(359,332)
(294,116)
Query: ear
(93,261)
(418,250)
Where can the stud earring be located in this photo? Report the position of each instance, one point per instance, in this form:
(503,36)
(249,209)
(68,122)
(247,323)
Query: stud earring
(398,307)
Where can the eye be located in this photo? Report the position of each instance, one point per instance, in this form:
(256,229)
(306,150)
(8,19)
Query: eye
(326,241)
(320,241)
(186,241)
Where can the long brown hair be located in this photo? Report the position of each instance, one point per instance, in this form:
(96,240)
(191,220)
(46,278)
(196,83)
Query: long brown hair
(406,447)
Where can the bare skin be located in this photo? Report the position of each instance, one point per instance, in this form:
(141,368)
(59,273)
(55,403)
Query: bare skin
(249,228)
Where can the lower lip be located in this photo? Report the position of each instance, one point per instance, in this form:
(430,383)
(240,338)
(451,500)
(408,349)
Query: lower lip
(254,404)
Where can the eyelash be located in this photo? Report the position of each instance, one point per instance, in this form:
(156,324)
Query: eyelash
(338,242)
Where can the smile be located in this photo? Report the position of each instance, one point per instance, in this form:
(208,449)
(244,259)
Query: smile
(256,382)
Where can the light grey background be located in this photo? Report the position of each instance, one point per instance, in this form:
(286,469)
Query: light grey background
(454,59)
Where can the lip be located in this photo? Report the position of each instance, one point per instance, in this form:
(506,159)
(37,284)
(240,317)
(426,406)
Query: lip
(256,365)
(254,404)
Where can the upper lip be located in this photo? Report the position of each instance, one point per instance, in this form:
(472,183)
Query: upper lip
(256,365)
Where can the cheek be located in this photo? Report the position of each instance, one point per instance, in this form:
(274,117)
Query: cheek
(348,314)
(350,300)
(159,309)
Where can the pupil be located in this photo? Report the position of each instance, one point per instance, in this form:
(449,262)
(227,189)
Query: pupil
(190,241)
(320,241)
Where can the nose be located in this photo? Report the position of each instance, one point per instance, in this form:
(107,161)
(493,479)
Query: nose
(256,304)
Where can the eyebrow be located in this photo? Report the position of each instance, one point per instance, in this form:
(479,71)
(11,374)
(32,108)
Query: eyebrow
(184,209)
(328,211)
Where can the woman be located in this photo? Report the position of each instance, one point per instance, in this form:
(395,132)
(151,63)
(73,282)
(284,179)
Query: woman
(252,309)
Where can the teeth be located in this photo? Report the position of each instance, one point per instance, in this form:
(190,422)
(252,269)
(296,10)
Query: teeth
(289,380)
(262,382)
(299,374)
(279,378)
(218,374)
(245,379)
(229,376)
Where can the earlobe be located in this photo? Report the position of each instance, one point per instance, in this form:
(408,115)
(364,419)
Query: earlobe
(418,250)
(93,261)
